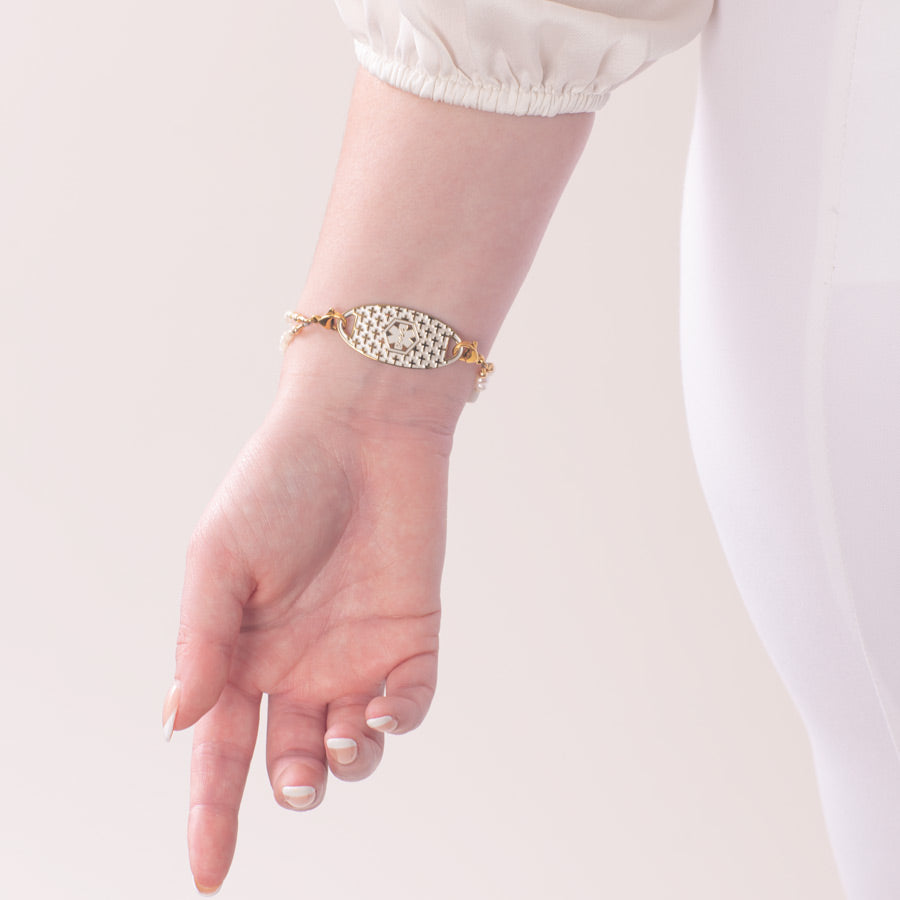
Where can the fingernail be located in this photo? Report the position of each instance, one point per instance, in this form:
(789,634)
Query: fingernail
(383,723)
(299,796)
(209,891)
(343,750)
(170,710)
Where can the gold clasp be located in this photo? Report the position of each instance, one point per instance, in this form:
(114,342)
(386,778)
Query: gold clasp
(328,320)
(331,320)
(468,352)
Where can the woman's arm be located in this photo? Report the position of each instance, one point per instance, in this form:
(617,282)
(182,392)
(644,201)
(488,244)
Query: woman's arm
(314,575)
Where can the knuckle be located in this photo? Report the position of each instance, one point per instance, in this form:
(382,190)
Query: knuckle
(214,753)
(214,554)
(201,546)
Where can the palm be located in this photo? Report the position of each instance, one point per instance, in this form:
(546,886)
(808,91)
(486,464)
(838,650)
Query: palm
(347,564)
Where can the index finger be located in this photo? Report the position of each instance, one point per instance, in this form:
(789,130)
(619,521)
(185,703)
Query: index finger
(223,746)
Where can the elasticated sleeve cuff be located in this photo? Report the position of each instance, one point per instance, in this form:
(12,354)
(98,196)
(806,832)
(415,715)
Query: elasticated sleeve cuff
(520,57)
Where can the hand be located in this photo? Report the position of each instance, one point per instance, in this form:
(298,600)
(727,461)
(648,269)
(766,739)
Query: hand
(313,577)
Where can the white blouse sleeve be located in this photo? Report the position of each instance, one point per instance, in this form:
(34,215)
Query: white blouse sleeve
(525,57)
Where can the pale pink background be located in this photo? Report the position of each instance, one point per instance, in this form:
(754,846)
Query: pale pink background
(607,723)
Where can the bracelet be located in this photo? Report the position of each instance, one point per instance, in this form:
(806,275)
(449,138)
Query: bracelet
(398,336)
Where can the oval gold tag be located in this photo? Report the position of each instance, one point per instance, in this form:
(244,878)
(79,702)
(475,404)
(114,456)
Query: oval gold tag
(400,336)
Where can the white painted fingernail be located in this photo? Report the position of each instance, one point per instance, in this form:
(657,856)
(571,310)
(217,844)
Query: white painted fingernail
(170,709)
(383,723)
(299,796)
(343,750)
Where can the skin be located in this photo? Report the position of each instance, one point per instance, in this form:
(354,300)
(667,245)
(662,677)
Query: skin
(314,574)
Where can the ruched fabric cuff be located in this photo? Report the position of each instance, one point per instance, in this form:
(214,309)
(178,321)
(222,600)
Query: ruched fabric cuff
(521,57)
(459,90)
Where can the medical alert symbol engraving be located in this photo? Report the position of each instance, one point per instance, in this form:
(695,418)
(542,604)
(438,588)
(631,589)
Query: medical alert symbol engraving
(401,336)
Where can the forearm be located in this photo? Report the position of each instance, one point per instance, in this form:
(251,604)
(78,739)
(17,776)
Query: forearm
(436,207)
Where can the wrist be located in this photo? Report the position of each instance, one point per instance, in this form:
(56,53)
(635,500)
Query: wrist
(323,376)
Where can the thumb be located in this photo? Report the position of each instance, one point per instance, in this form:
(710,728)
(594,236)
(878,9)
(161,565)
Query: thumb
(216,587)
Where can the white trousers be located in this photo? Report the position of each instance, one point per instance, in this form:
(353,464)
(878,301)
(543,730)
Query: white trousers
(791,359)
